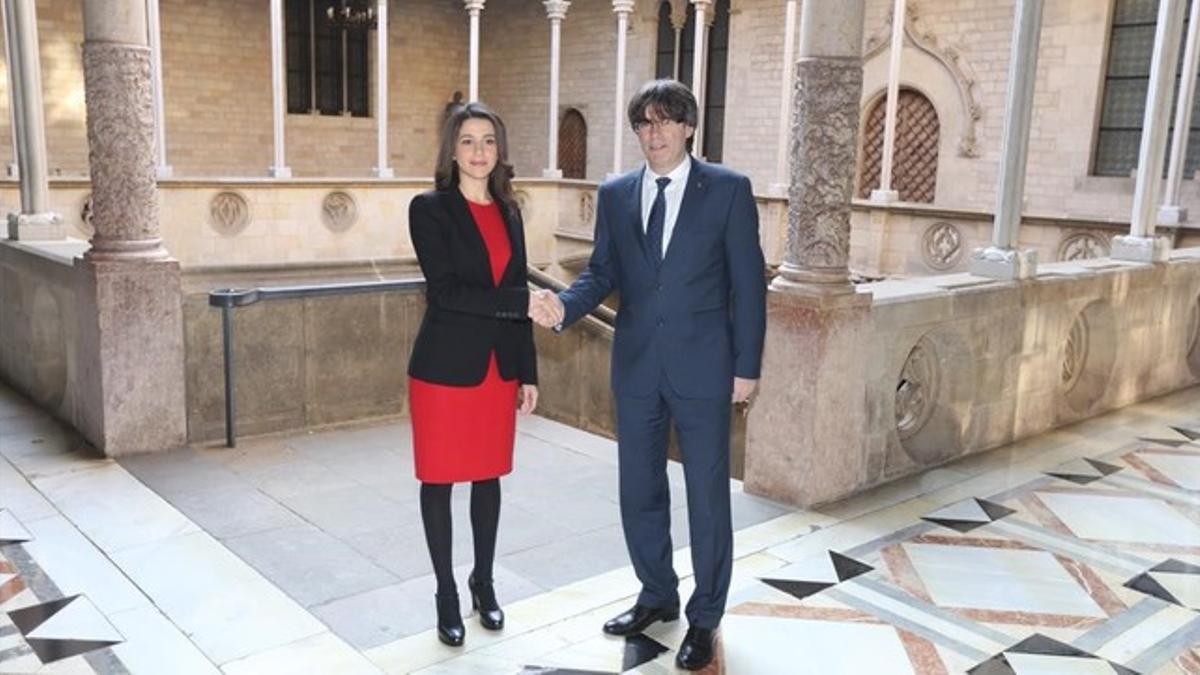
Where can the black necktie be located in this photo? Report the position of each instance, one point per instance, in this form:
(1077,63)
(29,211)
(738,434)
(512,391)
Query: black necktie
(658,217)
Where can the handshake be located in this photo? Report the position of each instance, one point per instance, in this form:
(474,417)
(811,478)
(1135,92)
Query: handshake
(545,308)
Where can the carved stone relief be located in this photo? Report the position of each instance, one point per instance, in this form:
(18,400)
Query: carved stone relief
(339,211)
(917,390)
(229,213)
(942,246)
(524,202)
(1075,353)
(587,210)
(1194,330)
(85,216)
(951,59)
(1082,246)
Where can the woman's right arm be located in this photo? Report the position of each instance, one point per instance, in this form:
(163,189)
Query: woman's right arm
(443,287)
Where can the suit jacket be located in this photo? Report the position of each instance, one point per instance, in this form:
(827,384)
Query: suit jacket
(700,317)
(467,315)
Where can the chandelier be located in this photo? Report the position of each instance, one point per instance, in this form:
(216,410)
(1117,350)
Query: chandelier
(352,14)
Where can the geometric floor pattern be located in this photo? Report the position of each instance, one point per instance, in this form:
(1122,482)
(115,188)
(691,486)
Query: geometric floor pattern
(1092,568)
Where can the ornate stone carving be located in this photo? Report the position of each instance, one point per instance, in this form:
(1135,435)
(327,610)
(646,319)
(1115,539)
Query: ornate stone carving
(1075,353)
(339,211)
(120,129)
(85,216)
(524,202)
(941,246)
(587,210)
(229,213)
(951,59)
(1194,329)
(917,390)
(1082,246)
(824,130)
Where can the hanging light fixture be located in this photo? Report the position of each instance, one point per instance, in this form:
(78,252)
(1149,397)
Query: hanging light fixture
(355,14)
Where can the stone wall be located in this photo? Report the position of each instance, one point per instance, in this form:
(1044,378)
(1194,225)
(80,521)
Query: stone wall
(955,365)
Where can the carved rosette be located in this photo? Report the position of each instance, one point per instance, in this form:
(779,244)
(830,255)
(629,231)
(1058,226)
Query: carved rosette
(229,213)
(339,211)
(587,210)
(1082,246)
(85,216)
(1075,353)
(941,246)
(120,129)
(917,390)
(823,156)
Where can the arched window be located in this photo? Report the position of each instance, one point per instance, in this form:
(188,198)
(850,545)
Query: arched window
(716,61)
(914,165)
(572,145)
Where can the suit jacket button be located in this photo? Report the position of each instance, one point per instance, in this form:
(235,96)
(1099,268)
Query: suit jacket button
(661,321)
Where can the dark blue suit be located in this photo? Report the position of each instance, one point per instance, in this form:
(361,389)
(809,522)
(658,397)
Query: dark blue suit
(685,328)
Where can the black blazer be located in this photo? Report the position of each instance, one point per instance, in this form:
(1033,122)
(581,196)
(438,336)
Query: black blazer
(467,315)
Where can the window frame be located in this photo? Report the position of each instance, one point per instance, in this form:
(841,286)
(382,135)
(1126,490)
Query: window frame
(349,81)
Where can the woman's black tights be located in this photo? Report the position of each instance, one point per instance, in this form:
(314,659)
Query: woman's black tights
(485,520)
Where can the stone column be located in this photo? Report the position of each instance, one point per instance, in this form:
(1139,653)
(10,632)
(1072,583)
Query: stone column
(474,7)
(130,392)
(1171,212)
(279,168)
(806,430)
(885,194)
(1141,245)
(34,221)
(1002,260)
(383,168)
(556,11)
(154,29)
(780,187)
(13,105)
(703,14)
(622,8)
(678,21)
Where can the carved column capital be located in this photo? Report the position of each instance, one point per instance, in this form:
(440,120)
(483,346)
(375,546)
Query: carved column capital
(473,6)
(623,6)
(556,10)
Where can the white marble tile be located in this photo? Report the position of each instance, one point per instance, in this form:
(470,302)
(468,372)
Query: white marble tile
(474,664)
(113,508)
(1183,469)
(761,646)
(19,497)
(224,606)
(11,528)
(1132,643)
(78,620)
(952,629)
(322,653)
(76,566)
(1000,579)
(1184,587)
(1131,519)
(152,640)
(1038,664)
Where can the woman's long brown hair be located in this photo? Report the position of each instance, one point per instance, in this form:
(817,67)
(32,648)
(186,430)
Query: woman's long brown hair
(445,176)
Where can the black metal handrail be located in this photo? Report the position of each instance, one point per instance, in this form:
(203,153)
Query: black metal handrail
(229,299)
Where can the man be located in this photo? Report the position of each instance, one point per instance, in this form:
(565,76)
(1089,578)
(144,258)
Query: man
(678,238)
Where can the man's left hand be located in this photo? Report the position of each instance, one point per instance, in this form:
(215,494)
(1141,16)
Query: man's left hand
(743,389)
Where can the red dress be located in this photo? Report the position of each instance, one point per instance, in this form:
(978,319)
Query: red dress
(465,434)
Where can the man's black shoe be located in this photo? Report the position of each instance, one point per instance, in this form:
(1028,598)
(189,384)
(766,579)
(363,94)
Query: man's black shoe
(696,650)
(638,618)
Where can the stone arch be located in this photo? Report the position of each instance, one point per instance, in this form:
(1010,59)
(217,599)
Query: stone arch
(572,144)
(918,134)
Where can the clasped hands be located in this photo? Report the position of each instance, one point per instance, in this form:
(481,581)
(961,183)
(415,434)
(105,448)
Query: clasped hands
(545,308)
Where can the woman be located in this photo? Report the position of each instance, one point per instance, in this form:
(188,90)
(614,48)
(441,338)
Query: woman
(473,364)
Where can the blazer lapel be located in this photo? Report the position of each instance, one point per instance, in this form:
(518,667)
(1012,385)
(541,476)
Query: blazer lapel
(689,209)
(634,214)
(461,214)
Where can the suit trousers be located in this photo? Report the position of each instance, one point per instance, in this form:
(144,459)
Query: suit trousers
(702,428)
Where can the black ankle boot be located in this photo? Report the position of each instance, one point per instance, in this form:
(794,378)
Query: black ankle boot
(450,627)
(483,600)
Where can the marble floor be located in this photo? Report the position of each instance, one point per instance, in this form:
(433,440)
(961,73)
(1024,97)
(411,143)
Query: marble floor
(1074,552)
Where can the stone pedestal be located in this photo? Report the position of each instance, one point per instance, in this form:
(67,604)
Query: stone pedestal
(804,438)
(130,355)
(1003,263)
(1152,249)
(35,226)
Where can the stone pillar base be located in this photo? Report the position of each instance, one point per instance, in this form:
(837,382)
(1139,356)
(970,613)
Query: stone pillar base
(1141,249)
(164,171)
(280,172)
(552,173)
(1003,263)
(885,196)
(385,172)
(1172,215)
(36,227)
(130,355)
(805,435)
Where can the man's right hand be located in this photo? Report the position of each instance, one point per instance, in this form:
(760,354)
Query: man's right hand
(545,308)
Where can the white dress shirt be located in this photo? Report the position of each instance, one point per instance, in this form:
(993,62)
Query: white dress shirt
(673,193)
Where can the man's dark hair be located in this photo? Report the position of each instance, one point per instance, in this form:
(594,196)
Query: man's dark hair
(668,99)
